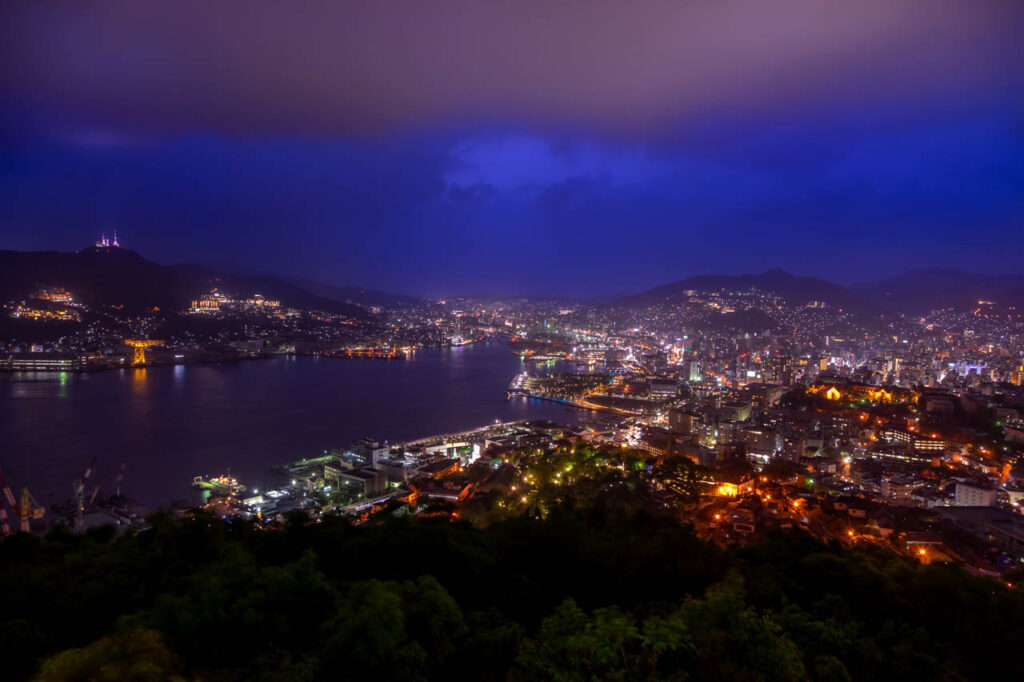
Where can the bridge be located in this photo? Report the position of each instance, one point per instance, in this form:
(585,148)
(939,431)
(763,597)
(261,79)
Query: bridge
(139,347)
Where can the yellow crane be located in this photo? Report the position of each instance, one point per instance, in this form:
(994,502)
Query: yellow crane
(29,509)
(139,347)
(25,510)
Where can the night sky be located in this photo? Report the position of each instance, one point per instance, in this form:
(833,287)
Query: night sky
(535,147)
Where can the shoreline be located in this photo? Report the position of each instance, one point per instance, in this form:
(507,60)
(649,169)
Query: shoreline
(202,425)
(331,354)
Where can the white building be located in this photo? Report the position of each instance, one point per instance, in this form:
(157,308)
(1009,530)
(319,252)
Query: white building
(974,495)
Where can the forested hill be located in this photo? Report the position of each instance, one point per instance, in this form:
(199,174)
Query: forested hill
(600,593)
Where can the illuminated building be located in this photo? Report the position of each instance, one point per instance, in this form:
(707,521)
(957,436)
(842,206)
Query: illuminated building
(209,303)
(216,301)
(900,454)
(41,314)
(55,295)
(780,370)
(727,490)
(370,451)
(920,443)
(692,372)
(734,486)
(259,301)
(853,392)
(44,362)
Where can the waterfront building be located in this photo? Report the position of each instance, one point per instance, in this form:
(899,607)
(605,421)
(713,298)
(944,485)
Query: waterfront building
(44,362)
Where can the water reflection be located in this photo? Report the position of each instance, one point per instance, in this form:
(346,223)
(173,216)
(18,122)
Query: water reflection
(138,380)
(173,423)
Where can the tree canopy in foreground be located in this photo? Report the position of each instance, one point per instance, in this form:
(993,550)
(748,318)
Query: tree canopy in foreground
(596,593)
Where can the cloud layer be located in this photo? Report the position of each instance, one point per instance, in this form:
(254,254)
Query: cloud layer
(528,146)
(632,68)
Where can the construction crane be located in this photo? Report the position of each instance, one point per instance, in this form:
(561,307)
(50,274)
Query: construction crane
(139,347)
(79,487)
(120,477)
(92,498)
(5,527)
(25,510)
(30,510)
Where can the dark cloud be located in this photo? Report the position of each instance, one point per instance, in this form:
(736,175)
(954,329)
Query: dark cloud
(309,67)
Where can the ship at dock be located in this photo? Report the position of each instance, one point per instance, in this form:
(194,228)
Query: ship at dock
(91,507)
(217,486)
(383,353)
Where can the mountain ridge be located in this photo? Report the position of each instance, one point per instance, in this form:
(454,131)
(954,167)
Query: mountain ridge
(789,286)
(344,294)
(114,275)
(121,276)
(944,287)
(914,291)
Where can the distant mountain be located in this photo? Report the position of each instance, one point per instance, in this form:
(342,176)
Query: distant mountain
(357,295)
(232,268)
(353,294)
(790,287)
(118,276)
(920,291)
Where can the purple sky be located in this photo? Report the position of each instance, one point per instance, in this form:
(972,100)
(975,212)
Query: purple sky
(519,147)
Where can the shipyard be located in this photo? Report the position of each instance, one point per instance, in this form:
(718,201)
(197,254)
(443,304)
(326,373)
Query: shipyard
(370,476)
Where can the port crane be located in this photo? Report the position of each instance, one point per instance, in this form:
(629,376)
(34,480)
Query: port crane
(5,527)
(30,509)
(79,487)
(139,347)
(120,477)
(25,509)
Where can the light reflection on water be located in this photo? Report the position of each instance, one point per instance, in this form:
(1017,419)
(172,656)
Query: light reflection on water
(172,423)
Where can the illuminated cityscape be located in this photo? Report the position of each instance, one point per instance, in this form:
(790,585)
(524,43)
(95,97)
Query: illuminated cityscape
(512,341)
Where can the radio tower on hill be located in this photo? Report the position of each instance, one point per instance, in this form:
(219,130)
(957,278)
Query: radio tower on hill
(104,243)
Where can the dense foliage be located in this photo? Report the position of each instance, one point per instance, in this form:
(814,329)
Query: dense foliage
(595,594)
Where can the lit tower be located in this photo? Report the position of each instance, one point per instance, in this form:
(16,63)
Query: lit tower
(115,239)
(139,347)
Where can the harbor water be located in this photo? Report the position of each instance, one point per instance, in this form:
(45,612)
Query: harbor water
(171,423)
